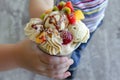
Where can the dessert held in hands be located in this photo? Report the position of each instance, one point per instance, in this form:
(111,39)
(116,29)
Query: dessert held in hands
(58,31)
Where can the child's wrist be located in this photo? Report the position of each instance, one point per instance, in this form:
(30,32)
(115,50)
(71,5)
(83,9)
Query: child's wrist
(8,56)
(21,49)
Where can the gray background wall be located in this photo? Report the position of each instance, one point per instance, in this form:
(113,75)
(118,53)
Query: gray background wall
(100,60)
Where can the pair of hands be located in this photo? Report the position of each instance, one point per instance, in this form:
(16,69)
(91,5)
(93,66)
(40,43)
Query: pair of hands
(31,58)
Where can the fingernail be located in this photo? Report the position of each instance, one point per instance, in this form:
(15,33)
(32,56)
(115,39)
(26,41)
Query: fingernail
(68,74)
(71,61)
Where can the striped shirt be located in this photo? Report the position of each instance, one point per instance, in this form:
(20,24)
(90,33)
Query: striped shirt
(92,9)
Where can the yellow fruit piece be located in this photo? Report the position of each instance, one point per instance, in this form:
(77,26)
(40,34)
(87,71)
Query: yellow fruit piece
(79,15)
(48,11)
(41,38)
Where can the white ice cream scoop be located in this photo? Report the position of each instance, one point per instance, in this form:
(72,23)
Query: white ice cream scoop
(79,31)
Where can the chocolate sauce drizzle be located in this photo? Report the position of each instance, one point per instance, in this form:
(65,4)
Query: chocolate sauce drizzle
(54,21)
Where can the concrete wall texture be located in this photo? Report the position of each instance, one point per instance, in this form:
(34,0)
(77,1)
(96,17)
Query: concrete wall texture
(100,60)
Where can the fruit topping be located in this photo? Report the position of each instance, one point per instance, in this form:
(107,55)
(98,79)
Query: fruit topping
(66,36)
(69,4)
(42,16)
(55,8)
(72,19)
(41,38)
(48,11)
(79,15)
(61,5)
(67,10)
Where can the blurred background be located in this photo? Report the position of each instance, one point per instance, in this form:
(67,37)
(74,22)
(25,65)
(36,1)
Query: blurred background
(100,60)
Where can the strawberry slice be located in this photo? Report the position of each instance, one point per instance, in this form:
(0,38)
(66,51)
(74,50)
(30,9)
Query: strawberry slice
(72,19)
(66,36)
(69,4)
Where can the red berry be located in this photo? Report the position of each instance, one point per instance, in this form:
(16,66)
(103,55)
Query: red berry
(71,18)
(66,36)
(69,4)
(60,7)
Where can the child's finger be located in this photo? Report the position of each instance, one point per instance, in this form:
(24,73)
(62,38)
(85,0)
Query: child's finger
(62,76)
(60,66)
(51,60)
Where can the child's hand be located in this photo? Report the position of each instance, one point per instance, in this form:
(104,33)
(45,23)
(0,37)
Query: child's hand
(31,58)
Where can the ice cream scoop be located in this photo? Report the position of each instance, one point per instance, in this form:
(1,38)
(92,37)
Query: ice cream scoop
(33,28)
(79,31)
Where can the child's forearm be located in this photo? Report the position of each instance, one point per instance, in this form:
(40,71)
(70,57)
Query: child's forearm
(7,56)
(37,7)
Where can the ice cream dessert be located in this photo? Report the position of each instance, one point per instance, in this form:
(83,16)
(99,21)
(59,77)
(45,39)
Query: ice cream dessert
(58,31)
